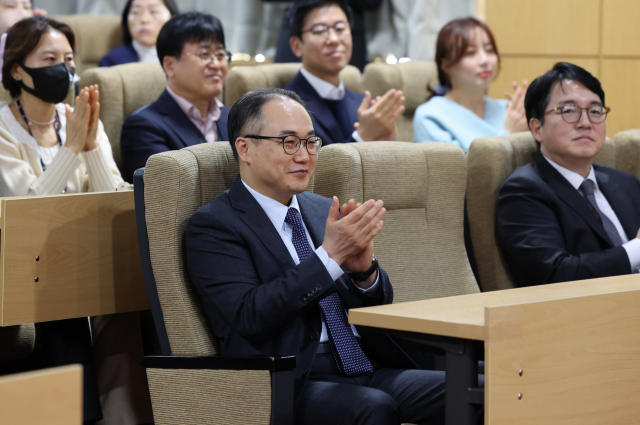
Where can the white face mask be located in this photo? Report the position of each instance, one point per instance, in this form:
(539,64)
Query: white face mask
(10,17)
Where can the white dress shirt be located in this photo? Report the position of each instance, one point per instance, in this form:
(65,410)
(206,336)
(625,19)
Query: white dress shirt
(328,91)
(631,246)
(277,213)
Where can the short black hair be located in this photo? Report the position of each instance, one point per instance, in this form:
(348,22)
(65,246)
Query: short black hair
(538,94)
(247,112)
(300,9)
(190,27)
(126,34)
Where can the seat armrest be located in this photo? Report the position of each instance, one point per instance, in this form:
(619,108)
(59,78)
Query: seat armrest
(274,364)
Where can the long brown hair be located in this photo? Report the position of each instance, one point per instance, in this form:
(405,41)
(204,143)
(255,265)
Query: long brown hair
(22,39)
(453,40)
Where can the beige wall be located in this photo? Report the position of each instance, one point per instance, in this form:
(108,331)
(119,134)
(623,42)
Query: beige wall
(602,36)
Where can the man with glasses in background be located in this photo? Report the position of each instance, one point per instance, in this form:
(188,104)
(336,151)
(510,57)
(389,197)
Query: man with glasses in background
(321,37)
(278,268)
(564,218)
(192,52)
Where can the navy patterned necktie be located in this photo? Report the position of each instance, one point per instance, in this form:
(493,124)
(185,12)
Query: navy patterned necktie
(346,351)
(587,190)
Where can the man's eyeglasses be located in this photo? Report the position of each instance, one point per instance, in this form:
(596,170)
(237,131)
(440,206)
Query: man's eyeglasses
(291,144)
(572,113)
(222,56)
(321,31)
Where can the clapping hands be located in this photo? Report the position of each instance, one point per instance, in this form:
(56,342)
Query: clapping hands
(82,121)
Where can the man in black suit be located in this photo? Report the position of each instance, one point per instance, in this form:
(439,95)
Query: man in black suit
(321,37)
(277,269)
(192,52)
(564,218)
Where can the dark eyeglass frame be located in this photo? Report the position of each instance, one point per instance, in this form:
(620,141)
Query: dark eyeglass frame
(324,33)
(558,110)
(282,139)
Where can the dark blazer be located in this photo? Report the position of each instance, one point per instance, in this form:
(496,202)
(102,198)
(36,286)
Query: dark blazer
(259,303)
(158,127)
(548,232)
(324,122)
(124,53)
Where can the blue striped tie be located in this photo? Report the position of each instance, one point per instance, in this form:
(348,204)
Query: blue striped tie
(346,351)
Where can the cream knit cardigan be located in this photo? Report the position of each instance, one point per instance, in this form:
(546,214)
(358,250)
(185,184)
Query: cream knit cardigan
(21,171)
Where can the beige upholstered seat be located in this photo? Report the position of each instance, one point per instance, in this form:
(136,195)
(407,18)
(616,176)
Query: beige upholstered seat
(410,77)
(628,151)
(17,341)
(490,161)
(123,90)
(421,244)
(95,35)
(243,79)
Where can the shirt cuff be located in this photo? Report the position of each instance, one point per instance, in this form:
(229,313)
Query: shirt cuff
(372,288)
(335,271)
(633,252)
(356,136)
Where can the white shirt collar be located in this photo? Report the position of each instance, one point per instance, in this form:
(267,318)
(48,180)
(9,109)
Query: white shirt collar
(572,177)
(145,53)
(324,89)
(276,211)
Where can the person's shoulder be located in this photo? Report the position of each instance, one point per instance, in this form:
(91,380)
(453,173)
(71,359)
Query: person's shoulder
(294,84)
(215,211)
(122,54)
(350,94)
(526,176)
(619,175)
(433,107)
(315,199)
(148,112)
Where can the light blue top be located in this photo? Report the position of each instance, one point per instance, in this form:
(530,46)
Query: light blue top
(443,120)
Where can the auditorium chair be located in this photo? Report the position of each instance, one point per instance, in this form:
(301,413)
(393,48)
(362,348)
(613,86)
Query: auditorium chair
(490,160)
(95,35)
(410,77)
(627,145)
(243,79)
(123,90)
(190,383)
(17,341)
(422,185)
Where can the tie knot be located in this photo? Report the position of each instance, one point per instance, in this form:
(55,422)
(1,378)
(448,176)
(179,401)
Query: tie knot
(587,187)
(293,218)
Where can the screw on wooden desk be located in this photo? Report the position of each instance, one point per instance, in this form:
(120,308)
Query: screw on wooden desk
(37,278)
(520,396)
(520,372)
(37,258)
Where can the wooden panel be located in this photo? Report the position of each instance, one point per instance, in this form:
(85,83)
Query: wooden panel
(620,30)
(545,27)
(579,359)
(89,263)
(622,87)
(464,316)
(529,68)
(49,396)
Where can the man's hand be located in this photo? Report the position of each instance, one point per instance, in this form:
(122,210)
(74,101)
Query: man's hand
(377,119)
(347,238)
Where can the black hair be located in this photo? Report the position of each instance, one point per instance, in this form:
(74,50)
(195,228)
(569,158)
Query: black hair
(300,9)
(190,27)
(538,94)
(126,34)
(247,112)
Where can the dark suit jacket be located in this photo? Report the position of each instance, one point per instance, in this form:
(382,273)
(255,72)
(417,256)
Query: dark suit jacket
(259,303)
(548,232)
(324,122)
(124,53)
(158,127)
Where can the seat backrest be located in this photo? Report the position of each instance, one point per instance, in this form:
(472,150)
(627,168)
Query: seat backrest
(17,341)
(123,90)
(410,77)
(627,145)
(177,183)
(95,35)
(490,161)
(421,245)
(243,79)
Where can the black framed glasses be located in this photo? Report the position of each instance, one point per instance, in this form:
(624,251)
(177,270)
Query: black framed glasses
(572,113)
(291,143)
(321,31)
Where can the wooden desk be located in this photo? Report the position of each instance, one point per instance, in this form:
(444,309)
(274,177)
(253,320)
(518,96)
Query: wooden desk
(554,354)
(66,256)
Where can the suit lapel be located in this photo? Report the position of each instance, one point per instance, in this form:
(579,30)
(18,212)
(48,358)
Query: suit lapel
(180,123)
(571,197)
(252,214)
(619,203)
(314,217)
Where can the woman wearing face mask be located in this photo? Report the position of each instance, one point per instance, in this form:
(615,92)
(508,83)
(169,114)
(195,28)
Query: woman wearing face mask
(459,112)
(141,23)
(48,148)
